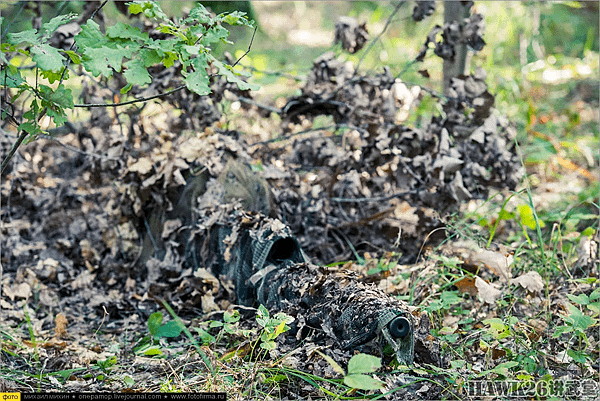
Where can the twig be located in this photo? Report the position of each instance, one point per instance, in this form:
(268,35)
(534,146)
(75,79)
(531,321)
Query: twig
(378,36)
(406,67)
(306,131)
(275,73)
(143,99)
(76,150)
(97,10)
(249,47)
(409,171)
(262,106)
(10,155)
(374,198)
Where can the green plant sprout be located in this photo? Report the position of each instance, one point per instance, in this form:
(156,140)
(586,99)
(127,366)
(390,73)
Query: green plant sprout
(359,368)
(272,327)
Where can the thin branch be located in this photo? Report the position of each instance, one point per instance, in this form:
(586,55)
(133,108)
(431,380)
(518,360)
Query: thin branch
(284,138)
(97,10)
(374,199)
(274,73)
(249,47)
(143,99)
(306,131)
(389,20)
(10,155)
(261,106)
(77,150)
(406,67)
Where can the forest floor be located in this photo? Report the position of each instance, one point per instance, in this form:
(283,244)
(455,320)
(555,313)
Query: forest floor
(493,239)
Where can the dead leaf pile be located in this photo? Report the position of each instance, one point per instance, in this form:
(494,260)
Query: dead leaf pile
(377,180)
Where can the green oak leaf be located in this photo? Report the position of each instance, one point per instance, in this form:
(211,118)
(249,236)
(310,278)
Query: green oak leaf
(150,9)
(236,18)
(169,59)
(50,26)
(198,14)
(47,57)
(75,58)
(231,76)
(29,36)
(95,63)
(198,82)
(215,34)
(60,96)
(53,76)
(11,76)
(90,36)
(124,31)
(149,57)
(136,73)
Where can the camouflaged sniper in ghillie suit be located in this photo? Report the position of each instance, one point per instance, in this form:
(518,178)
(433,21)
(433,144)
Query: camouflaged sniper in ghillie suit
(224,228)
(267,266)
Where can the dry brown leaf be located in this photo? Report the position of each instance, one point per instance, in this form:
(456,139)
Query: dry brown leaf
(207,277)
(48,297)
(497,262)
(60,328)
(467,284)
(208,303)
(130,284)
(84,279)
(498,353)
(52,344)
(22,290)
(487,292)
(88,251)
(143,166)
(170,226)
(448,164)
(531,281)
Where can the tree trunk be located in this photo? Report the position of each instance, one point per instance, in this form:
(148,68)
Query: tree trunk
(455,11)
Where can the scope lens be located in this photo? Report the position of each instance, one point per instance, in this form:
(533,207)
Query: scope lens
(399,327)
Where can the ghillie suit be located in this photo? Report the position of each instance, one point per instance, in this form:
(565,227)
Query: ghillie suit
(267,266)
(259,258)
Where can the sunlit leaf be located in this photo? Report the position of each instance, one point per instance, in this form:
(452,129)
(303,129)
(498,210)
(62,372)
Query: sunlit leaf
(363,363)
(47,57)
(362,382)
(154,322)
(170,329)
(136,73)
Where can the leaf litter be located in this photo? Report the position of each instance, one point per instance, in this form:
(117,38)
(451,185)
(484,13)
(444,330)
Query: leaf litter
(97,240)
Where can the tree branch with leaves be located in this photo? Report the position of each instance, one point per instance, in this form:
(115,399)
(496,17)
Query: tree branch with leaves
(123,49)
